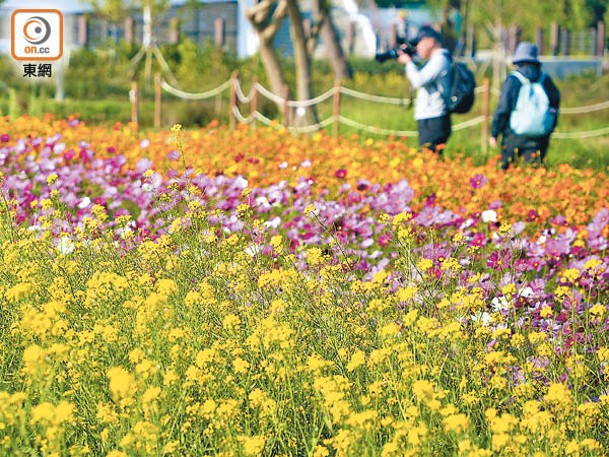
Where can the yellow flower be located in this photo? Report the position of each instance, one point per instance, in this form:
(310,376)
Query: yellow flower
(404,294)
(151,394)
(63,411)
(315,256)
(320,451)
(208,408)
(33,354)
(204,357)
(136,355)
(122,383)
(254,445)
(276,242)
(231,321)
(310,210)
(592,264)
(559,394)
(357,360)
(52,178)
(43,413)
(423,390)
(240,366)
(116,454)
(170,378)
(598,310)
(571,274)
(546,312)
(316,363)
(171,447)
(106,414)
(456,423)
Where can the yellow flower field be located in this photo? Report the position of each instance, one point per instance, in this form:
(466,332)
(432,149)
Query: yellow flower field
(191,305)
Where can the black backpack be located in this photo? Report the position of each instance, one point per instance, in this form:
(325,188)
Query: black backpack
(462,91)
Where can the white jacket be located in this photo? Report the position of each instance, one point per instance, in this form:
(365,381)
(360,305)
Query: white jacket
(433,83)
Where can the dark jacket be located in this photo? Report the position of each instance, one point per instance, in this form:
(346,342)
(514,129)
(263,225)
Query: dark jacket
(507,103)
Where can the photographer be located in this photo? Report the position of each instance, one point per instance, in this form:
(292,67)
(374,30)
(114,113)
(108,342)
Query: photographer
(432,81)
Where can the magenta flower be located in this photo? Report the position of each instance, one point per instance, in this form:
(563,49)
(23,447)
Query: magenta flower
(173,155)
(341,173)
(499,260)
(5,137)
(477,181)
(532,215)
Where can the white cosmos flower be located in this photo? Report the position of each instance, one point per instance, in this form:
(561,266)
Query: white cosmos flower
(86,201)
(489,216)
(252,250)
(65,245)
(484,318)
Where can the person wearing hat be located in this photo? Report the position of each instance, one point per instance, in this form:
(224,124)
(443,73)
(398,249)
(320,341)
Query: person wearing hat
(402,27)
(532,147)
(432,81)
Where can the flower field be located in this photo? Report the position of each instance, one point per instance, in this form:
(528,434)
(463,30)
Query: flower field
(216,292)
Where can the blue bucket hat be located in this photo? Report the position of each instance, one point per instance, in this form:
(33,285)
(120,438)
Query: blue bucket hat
(525,53)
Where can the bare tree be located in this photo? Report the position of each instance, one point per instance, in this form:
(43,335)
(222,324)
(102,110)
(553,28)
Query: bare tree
(266,18)
(117,9)
(302,59)
(325,27)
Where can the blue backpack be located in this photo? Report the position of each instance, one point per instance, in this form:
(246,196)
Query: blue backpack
(532,115)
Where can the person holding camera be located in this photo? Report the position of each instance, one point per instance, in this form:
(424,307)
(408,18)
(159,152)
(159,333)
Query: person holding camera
(432,81)
(528,110)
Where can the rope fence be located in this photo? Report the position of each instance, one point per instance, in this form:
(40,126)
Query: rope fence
(237,96)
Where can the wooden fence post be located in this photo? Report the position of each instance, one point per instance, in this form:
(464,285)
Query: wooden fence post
(134,98)
(566,42)
(254,105)
(286,95)
(514,37)
(157,101)
(233,99)
(486,108)
(539,41)
(554,39)
(336,111)
(128,26)
(219,32)
(174,30)
(600,39)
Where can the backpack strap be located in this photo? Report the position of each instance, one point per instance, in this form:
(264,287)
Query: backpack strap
(522,78)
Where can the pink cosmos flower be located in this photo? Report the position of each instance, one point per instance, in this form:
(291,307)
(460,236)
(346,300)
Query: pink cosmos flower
(477,181)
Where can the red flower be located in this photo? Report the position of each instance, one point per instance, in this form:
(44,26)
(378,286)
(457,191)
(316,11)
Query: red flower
(341,173)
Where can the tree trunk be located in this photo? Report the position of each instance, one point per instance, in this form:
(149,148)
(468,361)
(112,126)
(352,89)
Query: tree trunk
(272,65)
(266,18)
(334,51)
(329,35)
(302,60)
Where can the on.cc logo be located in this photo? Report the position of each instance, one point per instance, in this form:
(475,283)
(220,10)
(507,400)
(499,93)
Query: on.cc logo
(37,30)
(36,34)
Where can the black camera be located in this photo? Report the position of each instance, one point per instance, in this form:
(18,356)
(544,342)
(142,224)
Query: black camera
(394,53)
